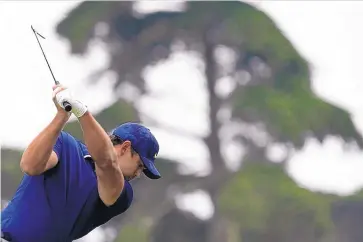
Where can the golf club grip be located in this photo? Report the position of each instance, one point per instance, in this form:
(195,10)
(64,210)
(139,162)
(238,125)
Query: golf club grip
(67,106)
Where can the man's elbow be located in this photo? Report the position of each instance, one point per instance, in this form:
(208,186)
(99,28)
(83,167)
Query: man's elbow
(29,169)
(108,202)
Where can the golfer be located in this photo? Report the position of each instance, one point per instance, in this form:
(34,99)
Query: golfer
(69,187)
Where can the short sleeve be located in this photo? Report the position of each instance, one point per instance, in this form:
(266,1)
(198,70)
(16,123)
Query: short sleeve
(125,199)
(127,195)
(68,153)
(98,214)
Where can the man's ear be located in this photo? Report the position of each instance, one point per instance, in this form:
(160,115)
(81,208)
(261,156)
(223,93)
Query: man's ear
(125,146)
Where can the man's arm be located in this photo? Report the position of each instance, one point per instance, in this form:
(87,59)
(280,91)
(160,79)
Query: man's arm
(39,155)
(110,178)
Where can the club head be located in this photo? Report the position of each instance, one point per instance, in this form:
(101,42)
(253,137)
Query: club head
(36,32)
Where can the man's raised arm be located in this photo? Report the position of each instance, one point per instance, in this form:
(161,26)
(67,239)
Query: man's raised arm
(38,156)
(110,179)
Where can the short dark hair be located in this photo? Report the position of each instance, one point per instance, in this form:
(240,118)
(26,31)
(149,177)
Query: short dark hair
(117,141)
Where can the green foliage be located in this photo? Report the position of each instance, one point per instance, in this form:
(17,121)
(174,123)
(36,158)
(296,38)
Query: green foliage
(284,101)
(134,233)
(118,113)
(11,173)
(10,160)
(261,199)
(289,116)
(78,25)
(261,192)
(258,34)
(267,205)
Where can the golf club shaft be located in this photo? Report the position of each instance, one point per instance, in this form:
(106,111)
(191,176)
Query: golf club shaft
(67,106)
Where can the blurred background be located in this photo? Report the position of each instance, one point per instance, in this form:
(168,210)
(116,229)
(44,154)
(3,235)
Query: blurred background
(257,107)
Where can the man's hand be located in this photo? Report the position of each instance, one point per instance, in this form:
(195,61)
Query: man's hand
(62,94)
(78,108)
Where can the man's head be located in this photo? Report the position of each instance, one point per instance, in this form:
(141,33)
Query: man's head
(136,149)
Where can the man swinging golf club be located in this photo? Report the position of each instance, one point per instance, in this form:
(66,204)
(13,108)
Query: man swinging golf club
(69,187)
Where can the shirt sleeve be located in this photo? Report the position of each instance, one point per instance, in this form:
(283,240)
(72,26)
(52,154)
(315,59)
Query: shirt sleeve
(125,199)
(66,148)
(126,196)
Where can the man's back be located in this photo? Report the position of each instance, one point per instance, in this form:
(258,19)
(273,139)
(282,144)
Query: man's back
(62,204)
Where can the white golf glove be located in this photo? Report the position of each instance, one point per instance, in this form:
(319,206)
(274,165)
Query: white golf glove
(78,108)
(62,96)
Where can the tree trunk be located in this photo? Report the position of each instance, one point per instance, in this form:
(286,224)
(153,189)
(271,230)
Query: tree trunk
(215,230)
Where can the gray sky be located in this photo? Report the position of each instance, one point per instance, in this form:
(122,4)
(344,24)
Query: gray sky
(328,34)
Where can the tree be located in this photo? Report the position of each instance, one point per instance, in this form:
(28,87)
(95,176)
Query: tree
(10,172)
(268,206)
(272,81)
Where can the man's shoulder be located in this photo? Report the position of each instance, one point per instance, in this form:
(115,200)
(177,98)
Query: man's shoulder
(65,135)
(71,140)
(66,139)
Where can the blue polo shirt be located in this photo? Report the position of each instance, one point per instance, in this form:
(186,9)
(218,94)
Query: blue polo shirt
(62,204)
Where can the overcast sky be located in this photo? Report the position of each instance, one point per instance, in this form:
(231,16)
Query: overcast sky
(328,34)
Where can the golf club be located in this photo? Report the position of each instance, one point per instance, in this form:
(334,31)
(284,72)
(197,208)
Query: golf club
(67,106)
